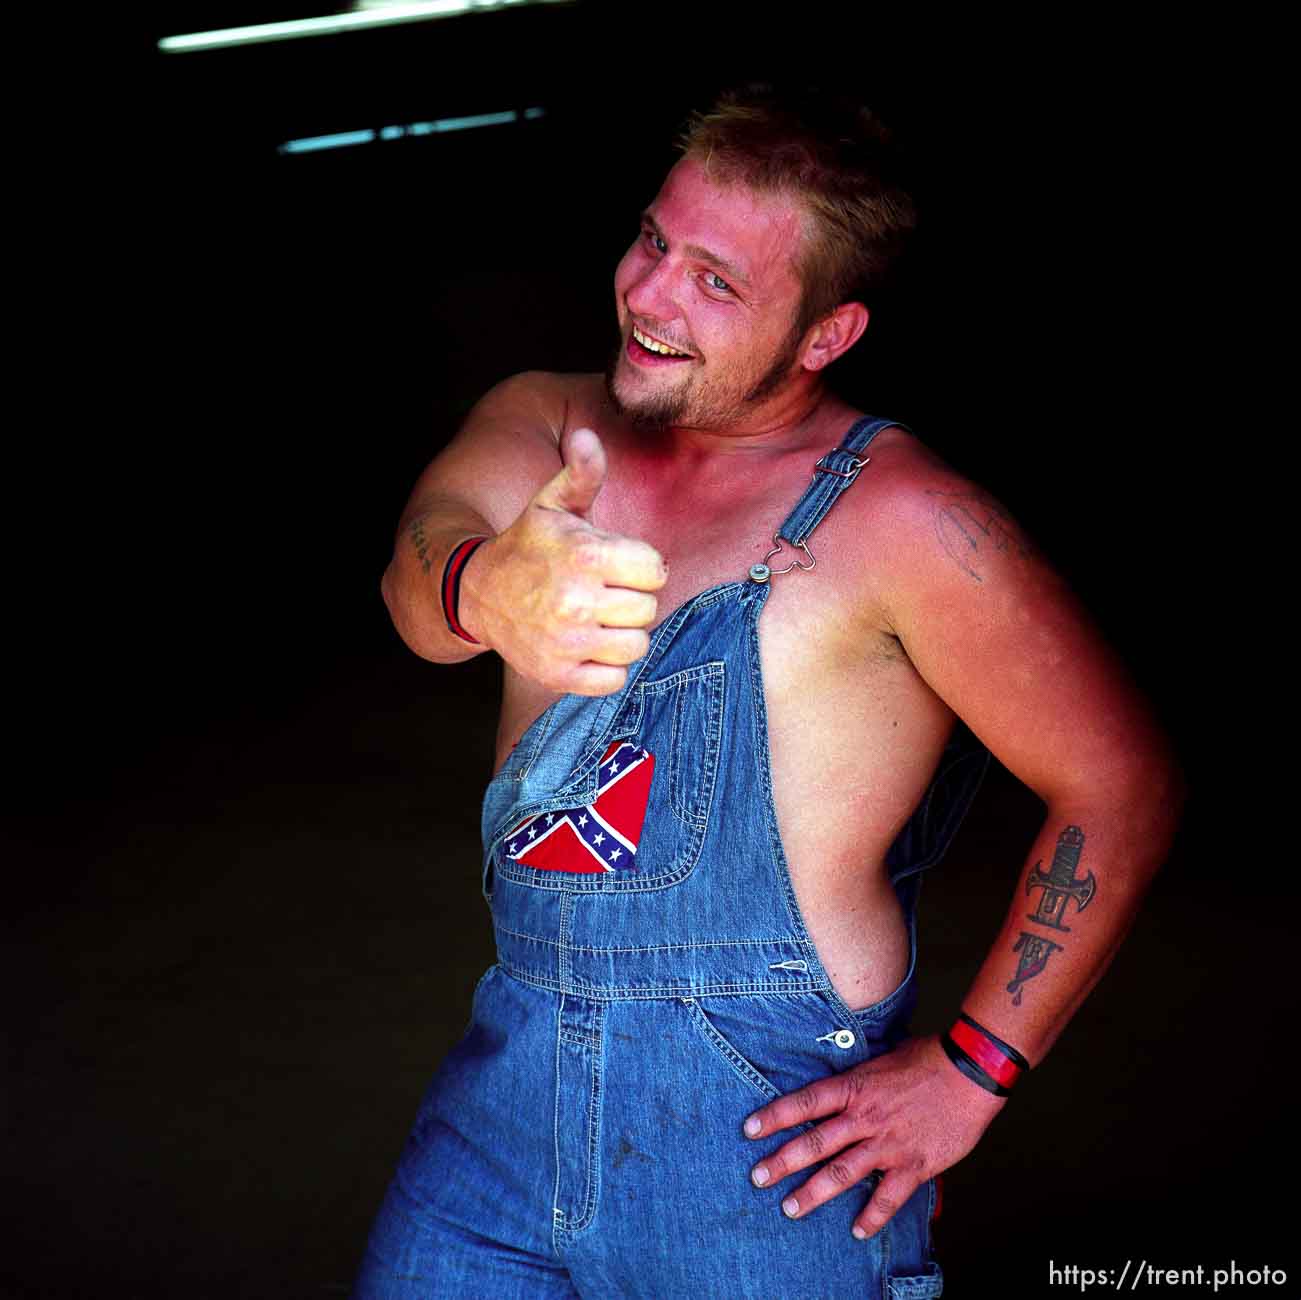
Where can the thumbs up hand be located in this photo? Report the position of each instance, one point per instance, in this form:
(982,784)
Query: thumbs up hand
(578,484)
(564,603)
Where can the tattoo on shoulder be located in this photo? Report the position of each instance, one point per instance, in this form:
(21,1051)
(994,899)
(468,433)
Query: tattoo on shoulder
(1060,886)
(416,531)
(971,528)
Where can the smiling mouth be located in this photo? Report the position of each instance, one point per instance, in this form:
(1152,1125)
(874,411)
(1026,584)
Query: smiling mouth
(659,349)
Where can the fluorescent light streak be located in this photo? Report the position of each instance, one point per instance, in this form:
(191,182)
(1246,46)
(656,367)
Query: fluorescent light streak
(469,123)
(341,140)
(358,19)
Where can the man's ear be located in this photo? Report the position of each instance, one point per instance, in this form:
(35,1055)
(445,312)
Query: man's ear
(833,335)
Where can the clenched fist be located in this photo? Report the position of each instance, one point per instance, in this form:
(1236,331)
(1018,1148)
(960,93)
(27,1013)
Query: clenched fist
(564,603)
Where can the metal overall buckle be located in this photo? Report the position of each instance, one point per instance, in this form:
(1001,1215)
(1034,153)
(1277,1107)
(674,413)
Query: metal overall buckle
(856,464)
(761,572)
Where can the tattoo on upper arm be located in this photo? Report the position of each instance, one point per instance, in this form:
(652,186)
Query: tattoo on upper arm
(971,528)
(1060,886)
(416,531)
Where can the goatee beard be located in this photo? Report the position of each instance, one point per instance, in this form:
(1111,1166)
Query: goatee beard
(663,411)
(660,413)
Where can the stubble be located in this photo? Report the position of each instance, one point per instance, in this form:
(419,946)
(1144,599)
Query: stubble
(663,410)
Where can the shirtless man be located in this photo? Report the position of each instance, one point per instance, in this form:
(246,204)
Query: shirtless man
(599,1131)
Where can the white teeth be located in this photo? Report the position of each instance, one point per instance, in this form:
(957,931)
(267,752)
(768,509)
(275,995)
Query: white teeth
(652,345)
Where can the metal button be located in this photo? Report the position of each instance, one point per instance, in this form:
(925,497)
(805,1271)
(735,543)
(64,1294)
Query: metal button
(760,573)
(844,1039)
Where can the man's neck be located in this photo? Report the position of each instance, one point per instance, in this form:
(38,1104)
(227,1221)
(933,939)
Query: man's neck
(786,422)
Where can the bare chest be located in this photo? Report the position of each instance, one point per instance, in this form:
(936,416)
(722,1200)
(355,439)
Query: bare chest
(843,702)
(853,731)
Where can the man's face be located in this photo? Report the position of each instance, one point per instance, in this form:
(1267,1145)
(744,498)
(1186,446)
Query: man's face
(711,275)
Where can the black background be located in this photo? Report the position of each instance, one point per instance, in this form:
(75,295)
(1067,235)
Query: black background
(246,918)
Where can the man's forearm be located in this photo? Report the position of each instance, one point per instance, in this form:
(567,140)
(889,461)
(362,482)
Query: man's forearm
(563,603)
(412,583)
(1086,876)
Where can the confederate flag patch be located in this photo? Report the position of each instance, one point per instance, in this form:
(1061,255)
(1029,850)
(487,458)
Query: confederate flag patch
(599,836)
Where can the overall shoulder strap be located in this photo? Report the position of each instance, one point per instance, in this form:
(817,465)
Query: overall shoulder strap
(833,473)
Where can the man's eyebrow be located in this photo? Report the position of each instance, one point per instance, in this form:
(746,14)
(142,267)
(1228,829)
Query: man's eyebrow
(730,269)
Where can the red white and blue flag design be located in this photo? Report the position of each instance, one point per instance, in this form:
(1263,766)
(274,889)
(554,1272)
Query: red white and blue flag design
(599,836)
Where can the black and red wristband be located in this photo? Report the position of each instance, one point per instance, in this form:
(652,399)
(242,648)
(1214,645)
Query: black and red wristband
(451,586)
(983,1057)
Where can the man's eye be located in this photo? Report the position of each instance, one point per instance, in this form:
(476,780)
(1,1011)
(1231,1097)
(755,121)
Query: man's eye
(655,241)
(717,283)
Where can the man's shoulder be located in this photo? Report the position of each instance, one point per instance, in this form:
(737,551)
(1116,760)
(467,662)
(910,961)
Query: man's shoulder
(928,520)
(905,477)
(558,399)
(902,464)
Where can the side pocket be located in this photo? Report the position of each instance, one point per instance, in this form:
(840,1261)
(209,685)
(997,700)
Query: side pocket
(739,1065)
(775,1043)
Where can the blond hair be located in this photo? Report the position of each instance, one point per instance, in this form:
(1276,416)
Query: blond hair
(833,155)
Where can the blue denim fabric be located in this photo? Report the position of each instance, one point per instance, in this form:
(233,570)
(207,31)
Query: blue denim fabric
(584,1138)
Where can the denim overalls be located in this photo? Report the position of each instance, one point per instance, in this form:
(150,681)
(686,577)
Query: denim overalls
(584,1138)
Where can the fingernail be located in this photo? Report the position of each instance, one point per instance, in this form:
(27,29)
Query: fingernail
(760,1175)
(860,1233)
(790,1207)
(752,1127)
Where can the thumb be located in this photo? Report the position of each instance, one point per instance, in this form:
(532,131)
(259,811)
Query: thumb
(576,486)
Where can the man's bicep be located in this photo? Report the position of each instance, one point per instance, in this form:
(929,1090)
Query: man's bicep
(1002,639)
(504,451)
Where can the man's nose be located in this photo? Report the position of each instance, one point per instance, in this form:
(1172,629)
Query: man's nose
(651,294)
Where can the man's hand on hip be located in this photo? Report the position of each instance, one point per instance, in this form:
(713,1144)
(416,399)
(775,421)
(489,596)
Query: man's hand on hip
(564,603)
(908,1115)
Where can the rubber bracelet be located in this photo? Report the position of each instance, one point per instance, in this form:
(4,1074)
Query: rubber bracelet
(983,1057)
(451,587)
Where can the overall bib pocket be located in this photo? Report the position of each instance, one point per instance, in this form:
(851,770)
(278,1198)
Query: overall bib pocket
(632,812)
